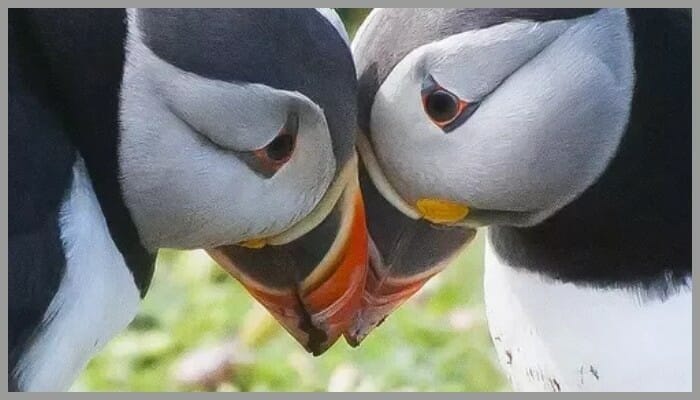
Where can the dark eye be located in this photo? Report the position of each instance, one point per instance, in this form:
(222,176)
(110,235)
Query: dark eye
(444,108)
(441,106)
(280,149)
(273,156)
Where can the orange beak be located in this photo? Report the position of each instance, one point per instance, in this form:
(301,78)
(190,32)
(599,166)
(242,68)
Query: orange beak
(404,253)
(315,301)
(383,294)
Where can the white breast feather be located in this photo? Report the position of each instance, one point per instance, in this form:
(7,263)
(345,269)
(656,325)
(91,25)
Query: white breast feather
(96,299)
(552,336)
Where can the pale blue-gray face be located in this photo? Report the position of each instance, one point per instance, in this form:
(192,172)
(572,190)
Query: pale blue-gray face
(263,100)
(471,117)
(238,132)
(463,107)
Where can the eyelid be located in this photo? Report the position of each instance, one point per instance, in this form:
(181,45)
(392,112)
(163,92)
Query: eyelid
(257,159)
(290,126)
(252,157)
(464,111)
(461,106)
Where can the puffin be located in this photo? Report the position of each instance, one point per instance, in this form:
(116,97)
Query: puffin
(565,134)
(133,130)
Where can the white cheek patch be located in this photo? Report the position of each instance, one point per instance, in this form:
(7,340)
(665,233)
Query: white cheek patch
(557,121)
(185,192)
(466,63)
(206,106)
(471,64)
(559,95)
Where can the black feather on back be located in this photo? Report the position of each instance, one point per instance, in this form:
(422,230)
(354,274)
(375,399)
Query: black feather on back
(40,164)
(289,49)
(65,70)
(85,52)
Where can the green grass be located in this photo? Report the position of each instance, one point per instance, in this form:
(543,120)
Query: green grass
(437,341)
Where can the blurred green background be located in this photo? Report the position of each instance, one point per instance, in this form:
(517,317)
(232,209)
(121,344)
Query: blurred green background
(197,329)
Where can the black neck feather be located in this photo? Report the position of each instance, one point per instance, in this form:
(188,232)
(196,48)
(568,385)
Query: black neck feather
(85,49)
(633,226)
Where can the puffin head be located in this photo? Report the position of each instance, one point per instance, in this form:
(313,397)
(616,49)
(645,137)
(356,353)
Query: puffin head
(475,117)
(238,132)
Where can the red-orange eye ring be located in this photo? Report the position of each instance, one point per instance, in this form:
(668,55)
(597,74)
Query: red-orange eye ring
(276,153)
(443,107)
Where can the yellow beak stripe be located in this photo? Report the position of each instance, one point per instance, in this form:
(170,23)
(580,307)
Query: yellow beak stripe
(254,243)
(442,211)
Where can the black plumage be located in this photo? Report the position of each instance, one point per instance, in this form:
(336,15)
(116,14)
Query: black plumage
(65,68)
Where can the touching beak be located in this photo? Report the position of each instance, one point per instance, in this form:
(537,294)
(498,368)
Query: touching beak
(312,285)
(404,253)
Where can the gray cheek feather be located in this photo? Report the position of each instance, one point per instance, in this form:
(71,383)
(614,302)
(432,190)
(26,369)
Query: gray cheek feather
(563,116)
(183,192)
(465,64)
(388,35)
(215,109)
(460,64)
(537,142)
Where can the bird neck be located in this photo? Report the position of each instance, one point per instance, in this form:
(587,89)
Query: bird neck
(85,52)
(633,225)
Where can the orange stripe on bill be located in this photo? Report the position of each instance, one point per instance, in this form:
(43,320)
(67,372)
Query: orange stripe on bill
(313,285)
(404,253)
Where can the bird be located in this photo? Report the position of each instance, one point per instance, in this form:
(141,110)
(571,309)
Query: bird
(565,134)
(132,130)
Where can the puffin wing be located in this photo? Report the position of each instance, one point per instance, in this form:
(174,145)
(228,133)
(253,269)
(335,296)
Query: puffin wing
(41,157)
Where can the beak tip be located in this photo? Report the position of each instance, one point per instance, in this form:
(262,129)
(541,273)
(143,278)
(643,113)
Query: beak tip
(317,309)
(317,348)
(318,352)
(354,339)
(362,328)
